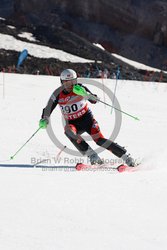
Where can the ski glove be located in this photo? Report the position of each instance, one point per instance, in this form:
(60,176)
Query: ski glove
(93,99)
(43,123)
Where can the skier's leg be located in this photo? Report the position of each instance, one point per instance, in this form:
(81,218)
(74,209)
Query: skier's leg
(75,138)
(81,144)
(115,148)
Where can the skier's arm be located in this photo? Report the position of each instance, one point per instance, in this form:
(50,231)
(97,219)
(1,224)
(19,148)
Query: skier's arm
(49,108)
(52,103)
(93,97)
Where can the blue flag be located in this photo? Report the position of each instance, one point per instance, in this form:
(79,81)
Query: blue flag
(118,73)
(22,57)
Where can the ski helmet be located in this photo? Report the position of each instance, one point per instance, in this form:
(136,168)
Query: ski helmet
(68,74)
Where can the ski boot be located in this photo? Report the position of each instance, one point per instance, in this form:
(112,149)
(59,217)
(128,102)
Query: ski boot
(93,157)
(128,160)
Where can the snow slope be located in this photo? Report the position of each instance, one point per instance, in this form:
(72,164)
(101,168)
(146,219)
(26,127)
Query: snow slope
(130,62)
(65,209)
(10,43)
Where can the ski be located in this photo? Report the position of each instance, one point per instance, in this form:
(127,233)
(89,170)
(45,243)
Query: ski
(120,168)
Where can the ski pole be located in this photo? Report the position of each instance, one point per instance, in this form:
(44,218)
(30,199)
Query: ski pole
(12,157)
(134,117)
(79,90)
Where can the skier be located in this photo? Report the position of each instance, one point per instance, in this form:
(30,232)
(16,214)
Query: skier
(79,119)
